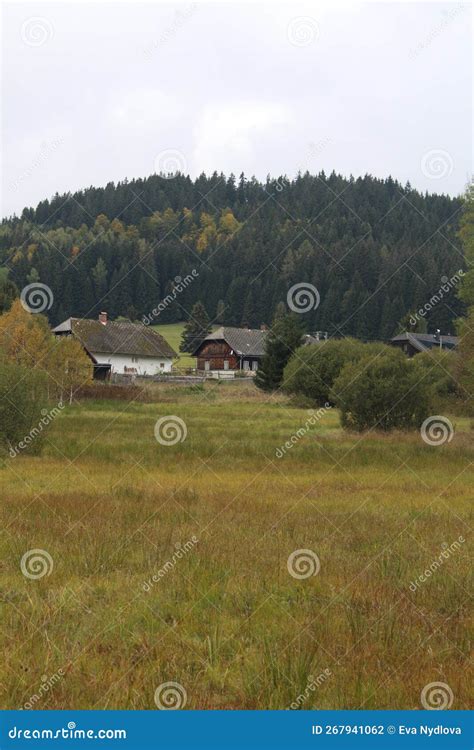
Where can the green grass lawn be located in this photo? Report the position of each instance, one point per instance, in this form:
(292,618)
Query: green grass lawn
(172,332)
(132,601)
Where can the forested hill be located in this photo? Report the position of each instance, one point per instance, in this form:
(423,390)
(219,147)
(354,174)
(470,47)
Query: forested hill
(375,250)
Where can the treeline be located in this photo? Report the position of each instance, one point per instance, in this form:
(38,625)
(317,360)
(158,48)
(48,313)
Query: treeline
(374,385)
(374,249)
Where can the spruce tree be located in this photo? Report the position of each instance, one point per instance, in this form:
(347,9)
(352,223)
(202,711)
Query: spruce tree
(196,329)
(283,339)
(8,291)
(221,307)
(412,323)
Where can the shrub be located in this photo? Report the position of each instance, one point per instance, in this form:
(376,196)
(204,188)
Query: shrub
(383,392)
(313,369)
(99,391)
(465,359)
(436,369)
(22,398)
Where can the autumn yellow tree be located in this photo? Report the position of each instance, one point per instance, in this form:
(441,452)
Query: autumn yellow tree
(228,224)
(26,340)
(208,234)
(25,337)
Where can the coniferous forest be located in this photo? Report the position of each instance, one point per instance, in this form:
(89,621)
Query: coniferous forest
(374,249)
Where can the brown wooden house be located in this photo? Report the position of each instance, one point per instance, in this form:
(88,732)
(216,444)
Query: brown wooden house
(231,349)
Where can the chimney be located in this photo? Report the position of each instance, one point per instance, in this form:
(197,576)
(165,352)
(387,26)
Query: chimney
(103,318)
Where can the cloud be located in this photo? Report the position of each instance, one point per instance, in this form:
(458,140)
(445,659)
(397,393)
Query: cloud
(228,137)
(225,88)
(143,108)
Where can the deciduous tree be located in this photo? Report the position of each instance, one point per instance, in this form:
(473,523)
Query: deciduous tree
(69,367)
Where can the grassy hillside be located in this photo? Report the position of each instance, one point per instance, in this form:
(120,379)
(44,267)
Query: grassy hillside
(225,619)
(172,332)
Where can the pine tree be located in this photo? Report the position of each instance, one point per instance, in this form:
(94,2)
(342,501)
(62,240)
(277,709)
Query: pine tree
(99,274)
(8,291)
(220,310)
(412,323)
(283,339)
(196,329)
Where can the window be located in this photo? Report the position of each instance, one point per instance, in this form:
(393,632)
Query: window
(162,364)
(255,365)
(246,364)
(226,364)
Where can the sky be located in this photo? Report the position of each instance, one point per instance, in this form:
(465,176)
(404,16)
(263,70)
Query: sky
(99,92)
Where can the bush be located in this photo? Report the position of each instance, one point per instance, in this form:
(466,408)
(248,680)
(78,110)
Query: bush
(313,369)
(22,398)
(464,370)
(436,369)
(384,393)
(98,391)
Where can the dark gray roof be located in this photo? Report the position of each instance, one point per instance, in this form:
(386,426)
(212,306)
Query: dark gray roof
(425,341)
(244,341)
(116,337)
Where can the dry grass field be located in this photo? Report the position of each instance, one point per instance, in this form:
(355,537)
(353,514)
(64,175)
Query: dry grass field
(169,563)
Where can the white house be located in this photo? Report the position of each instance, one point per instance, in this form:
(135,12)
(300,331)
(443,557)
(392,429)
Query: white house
(119,347)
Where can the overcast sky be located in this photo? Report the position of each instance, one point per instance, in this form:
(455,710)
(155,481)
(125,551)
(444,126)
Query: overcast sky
(102,91)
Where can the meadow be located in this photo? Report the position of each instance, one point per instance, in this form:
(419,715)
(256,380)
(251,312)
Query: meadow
(170,563)
(172,332)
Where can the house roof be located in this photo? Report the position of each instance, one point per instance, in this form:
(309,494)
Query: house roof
(117,337)
(422,342)
(308,339)
(244,341)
